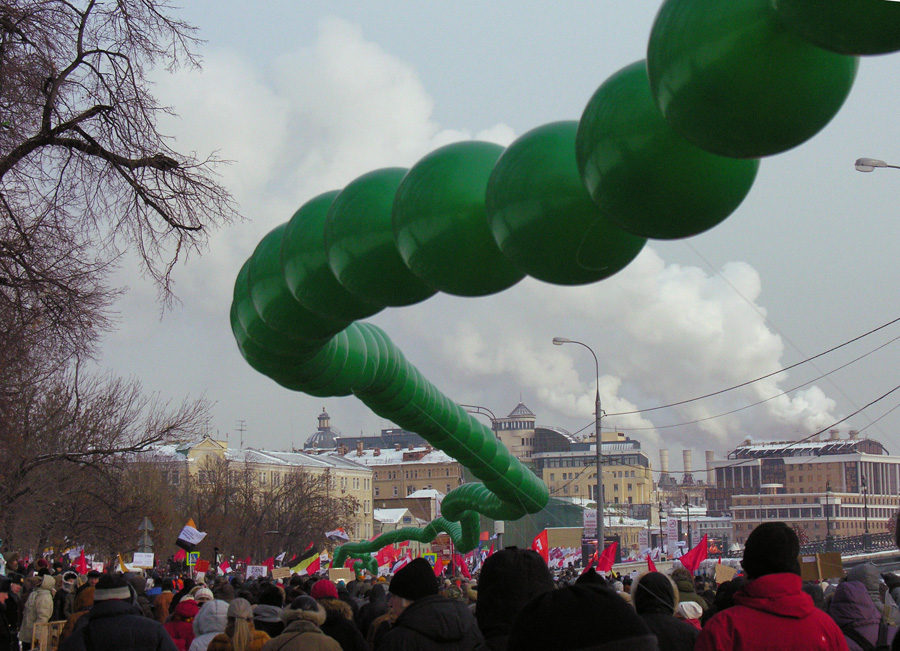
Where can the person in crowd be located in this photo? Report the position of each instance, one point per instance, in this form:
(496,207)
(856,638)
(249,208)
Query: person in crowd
(338,616)
(690,613)
(868,575)
(580,617)
(83,602)
(724,597)
(64,599)
(203,595)
(862,623)
(180,627)
(376,607)
(187,585)
(14,604)
(772,611)
(114,624)
(655,597)
(239,634)
(816,593)
(38,609)
(6,636)
(163,601)
(509,579)
(303,619)
(267,611)
(426,620)
(685,584)
(139,584)
(92,577)
(209,622)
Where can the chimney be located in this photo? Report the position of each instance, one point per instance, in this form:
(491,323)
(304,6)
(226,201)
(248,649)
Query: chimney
(663,466)
(377,452)
(412,447)
(359,448)
(397,447)
(710,471)
(835,434)
(854,433)
(342,449)
(688,467)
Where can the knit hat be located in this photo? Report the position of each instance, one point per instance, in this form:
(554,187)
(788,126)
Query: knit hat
(111,587)
(324,589)
(509,579)
(771,548)
(203,594)
(689,610)
(591,578)
(415,581)
(654,592)
(580,617)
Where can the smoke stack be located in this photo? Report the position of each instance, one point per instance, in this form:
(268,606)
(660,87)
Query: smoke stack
(664,461)
(688,467)
(854,433)
(710,471)
(835,434)
(359,448)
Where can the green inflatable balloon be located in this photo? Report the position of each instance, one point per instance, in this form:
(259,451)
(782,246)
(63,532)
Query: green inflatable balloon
(544,220)
(732,79)
(360,246)
(845,26)
(646,178)
(305,265)
(440,224)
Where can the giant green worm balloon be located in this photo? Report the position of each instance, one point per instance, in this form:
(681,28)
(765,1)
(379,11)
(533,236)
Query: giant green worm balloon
(846,26)
(544,220)
(440,226)
(662,151)
(733,80)
(645,177)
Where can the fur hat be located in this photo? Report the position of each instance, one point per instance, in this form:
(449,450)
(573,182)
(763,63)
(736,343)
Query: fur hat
(324,589)
(771,548)
(415,581)
(304,607)
(580,617)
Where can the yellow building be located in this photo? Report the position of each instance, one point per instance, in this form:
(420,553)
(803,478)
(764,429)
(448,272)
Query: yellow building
(203,460)
(627,474)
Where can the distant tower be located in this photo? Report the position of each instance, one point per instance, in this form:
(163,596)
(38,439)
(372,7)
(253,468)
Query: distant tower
(324,438)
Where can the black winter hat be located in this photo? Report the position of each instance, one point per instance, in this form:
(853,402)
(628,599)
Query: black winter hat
(591,578)
(580,617)
(415,581)
(509,580)
(653,593)
(771,548)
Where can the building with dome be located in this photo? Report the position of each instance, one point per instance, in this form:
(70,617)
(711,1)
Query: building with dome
(325,437)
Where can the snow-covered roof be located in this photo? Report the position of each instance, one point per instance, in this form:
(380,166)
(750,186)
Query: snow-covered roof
(426,493)
(292,459)
(391,516)
(394,457)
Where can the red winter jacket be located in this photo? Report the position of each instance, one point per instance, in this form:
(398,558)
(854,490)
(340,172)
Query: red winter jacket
(181,628)
(772,613)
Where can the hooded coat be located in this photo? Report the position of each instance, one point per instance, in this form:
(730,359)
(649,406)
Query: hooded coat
(868,575)
(38,608)
(339,625)
(302,633)
(655,597)
(371,611)
(209,622)
(267,617)
(83,602)
(772,613)
(686,592)
(437,623)
(181,626)
(851,606)
(116,625)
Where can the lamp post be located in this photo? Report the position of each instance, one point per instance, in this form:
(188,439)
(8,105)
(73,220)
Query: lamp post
(660,529)
(559,341)
(687,505)
(869,164)
(828,495)
(865,487)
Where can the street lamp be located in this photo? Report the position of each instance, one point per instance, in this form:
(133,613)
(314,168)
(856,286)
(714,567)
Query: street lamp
(828,496)
(687,505)
(865,487)
(869,164)
(559,341)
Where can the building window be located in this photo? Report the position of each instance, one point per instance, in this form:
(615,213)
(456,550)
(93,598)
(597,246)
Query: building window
(410,489)
(448,488)
(376,491)
(395,491)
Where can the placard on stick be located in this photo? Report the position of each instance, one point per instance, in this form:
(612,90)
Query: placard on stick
(821,566)
(724,573)
(344,574)
(281,573)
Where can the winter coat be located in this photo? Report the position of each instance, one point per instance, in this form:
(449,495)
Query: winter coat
(339,625)
(161,606)
(115,625)
(63,603)
(302,633)
(671,633)
(209,622)
(868,575)
(436,623)
(852,606)
(222,642)
(369,612)
(38,608)
(83,602)
(268,618)
(772,613)
(6,636)
(139,584)
(686,592)
(181,627)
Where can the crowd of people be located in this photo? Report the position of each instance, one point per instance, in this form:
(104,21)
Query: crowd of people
(513,603)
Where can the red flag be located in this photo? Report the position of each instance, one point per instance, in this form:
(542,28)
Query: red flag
(386,555)
(349,563)
(591,561)
(313,567)
(81,566)
(248,561)
(270,563)
(180,555)
(438,566)
(404,543)
(605,562)
(485,536)
(491,550)
(541,546)
(462,565)
(651,566)
(691,560)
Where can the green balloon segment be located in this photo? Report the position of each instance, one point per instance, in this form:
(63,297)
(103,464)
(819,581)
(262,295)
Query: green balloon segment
(845,26)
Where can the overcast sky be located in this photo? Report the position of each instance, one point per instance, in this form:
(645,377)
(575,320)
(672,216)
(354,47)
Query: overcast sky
(305,97)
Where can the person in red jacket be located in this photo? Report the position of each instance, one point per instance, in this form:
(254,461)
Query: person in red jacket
(181,627)
(772,612)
